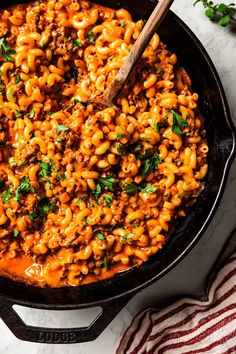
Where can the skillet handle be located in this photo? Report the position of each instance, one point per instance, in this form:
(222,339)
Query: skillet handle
(59,335)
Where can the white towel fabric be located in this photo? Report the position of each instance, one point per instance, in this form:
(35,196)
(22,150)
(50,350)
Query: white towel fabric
(191,326)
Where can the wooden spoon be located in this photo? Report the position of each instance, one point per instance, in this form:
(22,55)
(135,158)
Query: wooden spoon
(129,64)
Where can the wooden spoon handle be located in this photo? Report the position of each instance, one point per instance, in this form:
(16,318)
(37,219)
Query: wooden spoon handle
(139,47)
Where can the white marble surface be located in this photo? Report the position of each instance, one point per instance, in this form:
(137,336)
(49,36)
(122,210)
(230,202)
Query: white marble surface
(189,275)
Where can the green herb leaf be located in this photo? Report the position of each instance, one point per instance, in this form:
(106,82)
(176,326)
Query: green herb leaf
(119,135)
(18,79)
(220,13)
(6,196)
(108,200)
(76,100)
(76,43)
(107,182)
(99,235)
(16,233)
(61,128)
(149,189)
(91,37)
(6,50)
(126,237)
(12,163)
(60,176)
(178,123)
(157,128)
(101,184)
(78,201)
(46,168)
(150,162)
(131,189)
(97,192)
(41,44)
(224,9)
(210,13)
(43,206)
(224,21)
(111,57)
(120,149)
(20,113)
(24,187)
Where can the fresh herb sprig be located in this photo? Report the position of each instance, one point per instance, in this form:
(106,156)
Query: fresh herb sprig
(219,13)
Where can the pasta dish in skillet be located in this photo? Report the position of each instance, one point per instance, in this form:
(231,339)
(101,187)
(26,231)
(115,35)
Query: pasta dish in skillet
(84,193)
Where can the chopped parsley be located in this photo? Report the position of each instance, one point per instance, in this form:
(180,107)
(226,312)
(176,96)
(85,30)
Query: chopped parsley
(111,57)
(178,123)
(119,135)
(150,162)
(108,200)
(126,237)
(107,182)
(61,128)
(149,189)
(156,128)
(41,43)
(43,206)
(6,196)
(46,168)
(20,113)
(12,163)
(6,50)
(16,233)
(18,79)
(101,184)
(90,37)
(78,201)
(131,189)
(60,176)
(24,187)
(99,235)
(76,100)
(120,149)
(76,43)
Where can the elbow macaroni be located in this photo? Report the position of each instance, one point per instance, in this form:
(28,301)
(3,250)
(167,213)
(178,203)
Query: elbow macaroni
(86,193)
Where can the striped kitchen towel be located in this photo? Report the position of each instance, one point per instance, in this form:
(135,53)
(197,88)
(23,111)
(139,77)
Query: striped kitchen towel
(191,326)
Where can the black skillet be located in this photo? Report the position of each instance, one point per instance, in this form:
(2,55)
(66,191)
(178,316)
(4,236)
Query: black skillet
(112,294)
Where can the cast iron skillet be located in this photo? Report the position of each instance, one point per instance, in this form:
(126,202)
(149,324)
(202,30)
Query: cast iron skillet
(112,294)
